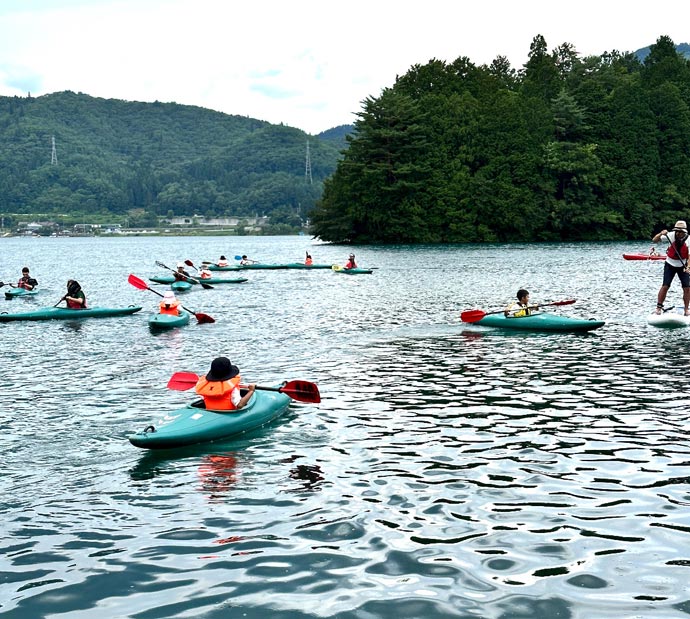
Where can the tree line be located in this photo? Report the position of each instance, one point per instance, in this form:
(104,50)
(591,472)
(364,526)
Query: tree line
(150,160)
(564,149)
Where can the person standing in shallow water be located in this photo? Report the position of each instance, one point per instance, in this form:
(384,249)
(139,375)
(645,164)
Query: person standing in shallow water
(676,262)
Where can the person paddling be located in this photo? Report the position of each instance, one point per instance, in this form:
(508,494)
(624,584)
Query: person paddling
(676,261)
(223,262)
(246,260)
(351,264)
(521,307)
(181,275)
(26,281)
(308,261)
(205,272)
(220,388)
(75,297)
(169,304)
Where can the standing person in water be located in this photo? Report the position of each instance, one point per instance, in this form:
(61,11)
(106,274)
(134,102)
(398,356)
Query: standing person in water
(676,262)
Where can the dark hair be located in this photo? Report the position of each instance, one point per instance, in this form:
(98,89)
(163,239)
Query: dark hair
(521,293)
(25,269)
(73,287)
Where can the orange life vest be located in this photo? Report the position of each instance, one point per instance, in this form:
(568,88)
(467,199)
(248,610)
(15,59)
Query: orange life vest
(169,308)
(217,394)
(205,274)
(308,262)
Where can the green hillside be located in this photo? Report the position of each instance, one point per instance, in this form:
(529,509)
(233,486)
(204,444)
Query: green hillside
(118,159)
(564,149)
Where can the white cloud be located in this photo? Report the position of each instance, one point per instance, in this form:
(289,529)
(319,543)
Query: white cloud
(305,63)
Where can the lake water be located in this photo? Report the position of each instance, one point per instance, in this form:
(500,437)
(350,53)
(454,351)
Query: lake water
(449,471)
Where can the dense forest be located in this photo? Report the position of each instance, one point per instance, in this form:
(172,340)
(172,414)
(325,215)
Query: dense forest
(565,148)
(141,161)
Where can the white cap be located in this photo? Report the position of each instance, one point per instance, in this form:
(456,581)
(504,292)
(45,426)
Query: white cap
(169,295)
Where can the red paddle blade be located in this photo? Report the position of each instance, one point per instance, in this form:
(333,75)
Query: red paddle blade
(472,315)
(204,318)
(568,302)
(302,391)
(137,282)
(189,263)
(181,381)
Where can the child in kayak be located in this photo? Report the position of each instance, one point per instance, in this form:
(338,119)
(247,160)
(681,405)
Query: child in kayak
(220,388)
(205,272)
(308,261)
(222,262)
(181,275)
(75,297)
(169,304)
(351,264)
(521,307)
(26,281)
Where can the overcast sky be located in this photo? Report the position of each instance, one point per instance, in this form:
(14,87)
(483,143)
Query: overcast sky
(304,63)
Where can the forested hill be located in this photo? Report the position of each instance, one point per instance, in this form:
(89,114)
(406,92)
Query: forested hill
(565,148)
(164,159)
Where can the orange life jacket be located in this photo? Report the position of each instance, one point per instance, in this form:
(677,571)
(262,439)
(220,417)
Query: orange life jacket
(170,308)
(216,393)
(206,275)
(308,262)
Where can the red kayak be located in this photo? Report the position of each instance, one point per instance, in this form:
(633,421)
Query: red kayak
(642,257)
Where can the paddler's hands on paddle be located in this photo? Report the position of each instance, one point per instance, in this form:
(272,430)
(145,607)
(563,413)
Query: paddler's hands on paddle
(247,396)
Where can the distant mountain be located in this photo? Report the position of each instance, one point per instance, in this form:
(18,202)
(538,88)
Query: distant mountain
(337,135)
(681,48)
(160,159)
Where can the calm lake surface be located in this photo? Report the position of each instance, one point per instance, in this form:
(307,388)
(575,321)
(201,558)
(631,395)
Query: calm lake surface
(449,471)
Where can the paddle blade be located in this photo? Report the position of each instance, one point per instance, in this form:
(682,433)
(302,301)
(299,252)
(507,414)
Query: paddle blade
(472,315)
(238,257)
(137,282)
(568,302)
(204,318)
(301,390)
(189,263)
(206,286)
(181,381)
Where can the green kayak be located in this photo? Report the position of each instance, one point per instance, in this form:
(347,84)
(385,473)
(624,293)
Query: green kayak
(194,424)
(13,293)
(169,279)
(356,271)
(540,322)
(181,286)
(62,313)
(214,267)
(168,321)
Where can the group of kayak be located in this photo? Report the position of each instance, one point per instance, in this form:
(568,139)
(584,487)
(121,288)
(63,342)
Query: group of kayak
(245,263)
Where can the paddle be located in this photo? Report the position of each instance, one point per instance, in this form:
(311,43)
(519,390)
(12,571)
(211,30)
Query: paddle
(142,285)
(299,390)
(186,277)
(476,315)
(189,263)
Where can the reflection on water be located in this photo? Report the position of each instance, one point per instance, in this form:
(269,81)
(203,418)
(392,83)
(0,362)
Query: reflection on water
(450,470)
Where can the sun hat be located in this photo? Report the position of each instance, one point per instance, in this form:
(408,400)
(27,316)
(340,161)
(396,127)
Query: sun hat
(680,225)
(222,369)
(169,295)
(180,265)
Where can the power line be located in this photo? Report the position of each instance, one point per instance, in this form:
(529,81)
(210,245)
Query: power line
(307,167)
(53,154)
